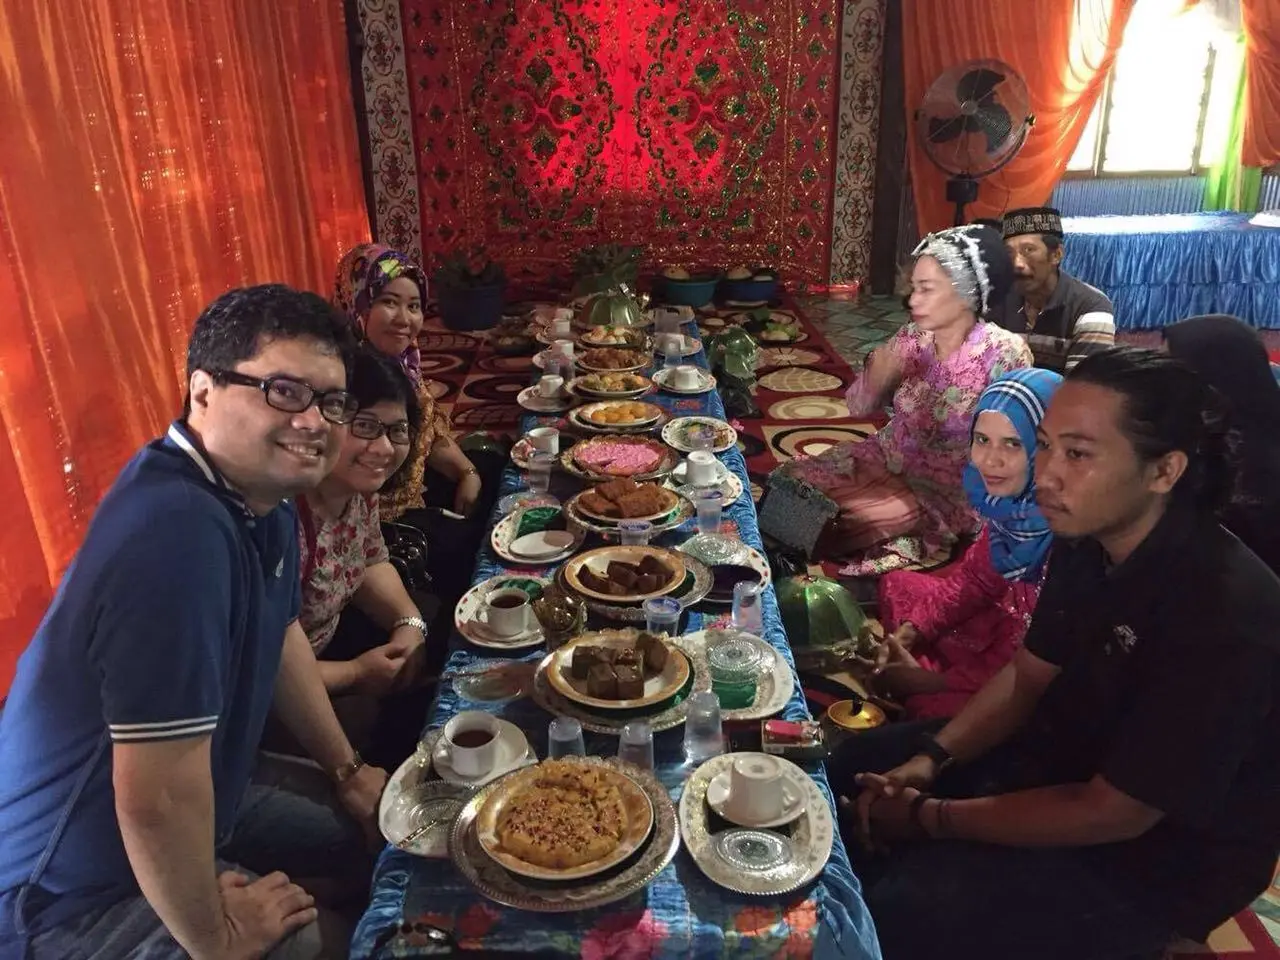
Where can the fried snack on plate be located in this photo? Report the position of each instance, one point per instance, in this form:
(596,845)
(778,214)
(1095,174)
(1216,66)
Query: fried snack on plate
(570,814)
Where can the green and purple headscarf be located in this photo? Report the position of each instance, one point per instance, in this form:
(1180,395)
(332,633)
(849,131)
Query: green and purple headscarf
(362,275)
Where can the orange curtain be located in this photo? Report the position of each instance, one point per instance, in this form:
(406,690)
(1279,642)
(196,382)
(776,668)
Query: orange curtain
(1062,49)
(154,153)
(1260,144)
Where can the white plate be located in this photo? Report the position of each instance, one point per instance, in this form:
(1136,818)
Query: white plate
(692,346)
(577,386)
(502,534)
(794,795)
(663,377)
(675,433)
(657,687)
(410,800)
(583,413)
(729,485)
(541,545)
(773,692)
(513,751)
(531,399)
(469,622)
(810,841)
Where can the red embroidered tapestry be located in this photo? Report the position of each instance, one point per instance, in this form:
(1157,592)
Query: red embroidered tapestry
(701,129)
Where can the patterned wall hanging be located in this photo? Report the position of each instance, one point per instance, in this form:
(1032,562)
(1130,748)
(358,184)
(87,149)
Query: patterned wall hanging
(858,133)
(715,132)
(397,219)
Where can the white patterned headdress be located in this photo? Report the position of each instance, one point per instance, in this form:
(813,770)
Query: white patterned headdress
(960,253)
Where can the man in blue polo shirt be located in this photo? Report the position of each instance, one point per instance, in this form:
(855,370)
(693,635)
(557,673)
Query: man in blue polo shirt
(129,737)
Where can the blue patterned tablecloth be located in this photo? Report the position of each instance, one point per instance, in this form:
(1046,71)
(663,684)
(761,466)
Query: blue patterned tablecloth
(682,913)
(1158,270)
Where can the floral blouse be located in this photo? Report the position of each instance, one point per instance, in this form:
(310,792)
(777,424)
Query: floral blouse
(334,557)
(435,429)
(926,441)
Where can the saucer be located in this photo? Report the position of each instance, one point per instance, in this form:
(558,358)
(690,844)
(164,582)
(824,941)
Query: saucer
(726,482)
(794,796)
(542,545)
(531,399)
(513,751)
(666,380)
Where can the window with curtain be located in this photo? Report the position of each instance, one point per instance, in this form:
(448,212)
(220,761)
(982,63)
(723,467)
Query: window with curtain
(1169,99)
(155,153)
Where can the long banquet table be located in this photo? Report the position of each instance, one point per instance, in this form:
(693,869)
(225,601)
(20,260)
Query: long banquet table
(682,913)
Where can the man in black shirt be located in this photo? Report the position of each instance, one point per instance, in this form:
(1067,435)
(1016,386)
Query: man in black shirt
(1063,319)
(1122,775)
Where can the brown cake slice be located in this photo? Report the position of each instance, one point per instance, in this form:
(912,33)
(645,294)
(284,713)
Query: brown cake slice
(602,682)
(584,658)
(628,658)
(654,651)
(655,567)
(593,581)
(623,574)
(630,683)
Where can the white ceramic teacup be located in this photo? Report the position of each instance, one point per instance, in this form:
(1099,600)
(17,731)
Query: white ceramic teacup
(564,348)
(561,327)
(470,753)
(544,439)
(507,612)
(685,377)
(701,469)
(550,384)
(756,783)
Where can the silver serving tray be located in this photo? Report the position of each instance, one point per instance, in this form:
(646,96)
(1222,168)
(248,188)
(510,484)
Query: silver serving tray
(504,887)
(703,581)
(683,512)
(551,700)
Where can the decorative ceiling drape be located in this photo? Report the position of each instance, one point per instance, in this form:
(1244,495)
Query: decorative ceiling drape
(154,154)
(701,128)
(1061,48)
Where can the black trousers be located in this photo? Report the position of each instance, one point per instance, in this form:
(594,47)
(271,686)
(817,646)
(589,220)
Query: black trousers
(978,901)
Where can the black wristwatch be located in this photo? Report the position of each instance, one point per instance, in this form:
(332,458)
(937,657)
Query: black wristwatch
(936,752)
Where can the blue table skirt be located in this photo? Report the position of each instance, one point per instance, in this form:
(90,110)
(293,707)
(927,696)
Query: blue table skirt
(1162,269)
(681,914)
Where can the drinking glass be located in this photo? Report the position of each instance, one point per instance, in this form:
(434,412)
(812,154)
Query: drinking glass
(709,504)
(635,533)
(747,614)
(703,738)
(540,471)
(635,745)
(564,739)
(662,616)
(702,436)
(673,351)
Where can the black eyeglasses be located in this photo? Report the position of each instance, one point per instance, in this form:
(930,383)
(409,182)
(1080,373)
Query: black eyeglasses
(295,396)
(371,428)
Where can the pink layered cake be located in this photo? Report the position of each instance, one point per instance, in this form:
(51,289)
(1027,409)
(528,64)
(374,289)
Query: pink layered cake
(619,456)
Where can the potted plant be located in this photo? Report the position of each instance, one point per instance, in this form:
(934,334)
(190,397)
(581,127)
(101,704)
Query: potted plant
(604,267)
(469,289)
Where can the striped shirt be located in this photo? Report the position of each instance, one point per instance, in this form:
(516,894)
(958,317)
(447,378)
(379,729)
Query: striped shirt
(1078,320)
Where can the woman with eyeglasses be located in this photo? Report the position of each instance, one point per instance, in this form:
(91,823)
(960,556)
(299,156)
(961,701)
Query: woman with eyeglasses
(382,293)
(368,633)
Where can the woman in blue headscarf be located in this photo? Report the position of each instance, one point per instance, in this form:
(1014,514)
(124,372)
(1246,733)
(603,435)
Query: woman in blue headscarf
(952,633)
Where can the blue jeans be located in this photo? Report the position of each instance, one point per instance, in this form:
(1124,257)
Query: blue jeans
(287,821)
(962,900)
